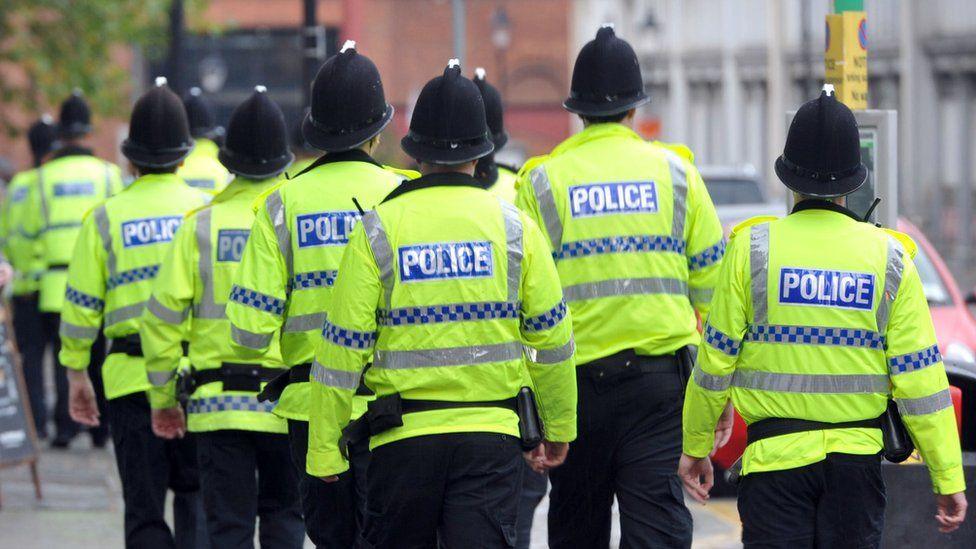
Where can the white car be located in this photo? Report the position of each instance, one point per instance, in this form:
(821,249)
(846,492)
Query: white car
(738,194)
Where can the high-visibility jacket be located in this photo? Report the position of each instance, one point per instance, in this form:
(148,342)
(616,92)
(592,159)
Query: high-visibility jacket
(67,188)
(299,166)
(635,236)
(19,245)
(202,170)
(284,282)
(446,286)
(821,317)
(504,185)
(121,245)
(188,303)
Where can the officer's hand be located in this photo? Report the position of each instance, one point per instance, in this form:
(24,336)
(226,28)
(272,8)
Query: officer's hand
(330,479)
(169,423)
(6,273)
(547,455)
(723,429)
(952,511)
(692,470)
(82,406)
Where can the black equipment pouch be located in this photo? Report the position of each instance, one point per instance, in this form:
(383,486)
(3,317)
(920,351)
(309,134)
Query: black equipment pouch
(184,387)
(128,345)
(686,363)
(898,444)
(384,413)
(530,426)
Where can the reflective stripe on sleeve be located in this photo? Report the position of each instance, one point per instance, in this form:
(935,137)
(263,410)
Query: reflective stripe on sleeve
(314,279)
(810,383)
(122,314)
(815,335)
(453,312)
(679,185)
(925,405)
(513,237)
(620,244)
(304,323)
(709,381)
(75,331)
(710,256)
(248,339)
(339,379)
(759,267)
(546,320)
(279,220)
(159,379)
(451,356)
(257,300)
(82,299)
(382,252)
(700,295)
(721,341)
(165,313)
(207,307)
(343,337)
(228,403)
(893,272)
(138,274)
(552,356)
(625,286)
(59,226)
(914,361)
(547,206)
(105,232)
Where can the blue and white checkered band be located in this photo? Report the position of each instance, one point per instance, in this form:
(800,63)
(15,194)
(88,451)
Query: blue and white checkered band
(824,288)
(151,230)
(201,182)
(348,338)
(74,188)
(914,361)
(325,228)
(625,197)
(230,244)
(446,260)
(721,341)
(710,256)
(19,194)
(546,320)
(132,275)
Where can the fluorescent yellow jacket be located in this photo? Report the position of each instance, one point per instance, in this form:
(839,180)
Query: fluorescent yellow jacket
(284,283)
(121,245)
(67,187)
(504,186)
(20,246)
(444,285)
(202,170)
(635,237)
(188,303)
(821,317)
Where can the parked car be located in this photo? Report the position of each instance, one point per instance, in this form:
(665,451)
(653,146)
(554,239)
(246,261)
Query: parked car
(738,194)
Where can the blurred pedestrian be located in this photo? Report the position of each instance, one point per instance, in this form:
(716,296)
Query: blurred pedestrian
(201,169)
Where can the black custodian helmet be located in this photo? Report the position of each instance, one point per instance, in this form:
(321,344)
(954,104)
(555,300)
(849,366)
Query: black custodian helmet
(159,134)
(257,138)
(200,115)
(74,119)
(42,136)
(606,78)
(494,108)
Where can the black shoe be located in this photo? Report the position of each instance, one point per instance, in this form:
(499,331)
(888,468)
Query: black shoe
(61,442)
(99,441)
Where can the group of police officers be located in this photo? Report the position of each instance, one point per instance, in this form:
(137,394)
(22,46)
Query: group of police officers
(360,353)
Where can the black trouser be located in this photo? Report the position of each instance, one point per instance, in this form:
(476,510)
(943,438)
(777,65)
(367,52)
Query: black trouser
(245,476)
(534,486)
(460,490)
(64,427)
(28,332)
(148,465)
(628,445)
(333,511)
(838,502)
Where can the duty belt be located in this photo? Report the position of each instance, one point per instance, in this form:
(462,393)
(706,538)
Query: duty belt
(629,361)
(300,374)
(132,345)
(234,376)
(58,267)
(776,426)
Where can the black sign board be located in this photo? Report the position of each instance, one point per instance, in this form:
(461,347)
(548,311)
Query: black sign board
(18,439)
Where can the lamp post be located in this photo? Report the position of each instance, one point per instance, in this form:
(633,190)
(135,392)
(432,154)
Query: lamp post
(501,38)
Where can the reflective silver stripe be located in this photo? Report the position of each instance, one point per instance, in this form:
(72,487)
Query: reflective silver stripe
(759,266)
(551,356)
(382,252)
(810,383)
(679,183)
(279,220)
(124,313)
(450,356)
(700,295)
(513,236)
(625,286)
(45,212)
(228,403)
(105,231)
(108,180)
(165,313)
(547,205)
(74,331)
(340,379)
(207,307)
(210,311)
(304,323)
(158,379)
(893,271)
(709,381)
(925,405)
(248,339)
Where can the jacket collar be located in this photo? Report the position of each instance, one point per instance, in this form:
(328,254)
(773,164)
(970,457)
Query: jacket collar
(72,150)
(815,204)
(594,132)
(453,179)
(242,186)
(354,155)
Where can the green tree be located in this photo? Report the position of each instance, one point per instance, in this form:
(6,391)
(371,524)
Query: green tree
(50,47)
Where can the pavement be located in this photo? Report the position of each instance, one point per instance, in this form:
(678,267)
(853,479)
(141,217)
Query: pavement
(82,506)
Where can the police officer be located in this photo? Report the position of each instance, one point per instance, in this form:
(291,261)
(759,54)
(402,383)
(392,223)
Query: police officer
(284,283)
(201,169)
(68,185)
(499,177)
(443,283)
(820,317)
(637,245)
(20,248)
(120,246)
(245,462)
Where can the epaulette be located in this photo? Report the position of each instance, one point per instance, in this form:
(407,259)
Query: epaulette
(680,149)
(531,164)
(403,172)
(910,246)
(197,210)
(263,197)
(750,222)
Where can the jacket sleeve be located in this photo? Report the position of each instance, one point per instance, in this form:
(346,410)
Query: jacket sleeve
(547,332)
(116,184)
(709,386)
(919,383)
(84,303)
(165,320)
(347,342)
(256,306)
(705,242)
(526,200)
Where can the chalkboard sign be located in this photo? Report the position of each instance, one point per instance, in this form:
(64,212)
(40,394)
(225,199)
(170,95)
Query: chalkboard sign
(18,440)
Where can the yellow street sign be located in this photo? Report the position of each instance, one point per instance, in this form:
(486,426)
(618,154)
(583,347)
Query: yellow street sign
(846,59)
